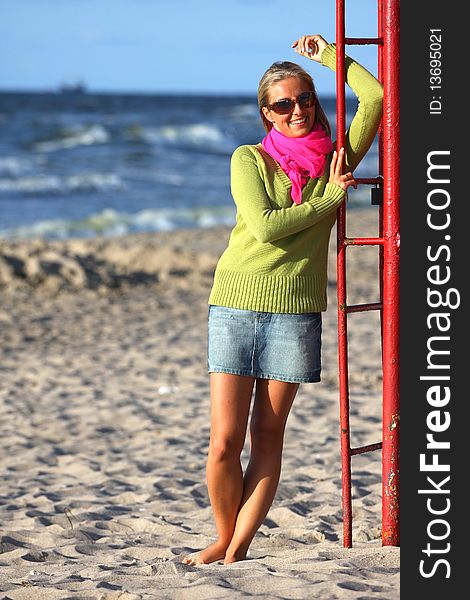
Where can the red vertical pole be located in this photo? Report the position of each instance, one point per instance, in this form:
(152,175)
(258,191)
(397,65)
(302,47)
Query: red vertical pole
(391,219)
(380,147)
(341,289)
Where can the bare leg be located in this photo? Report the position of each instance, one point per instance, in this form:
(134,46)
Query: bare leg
(273,402)
(230,407)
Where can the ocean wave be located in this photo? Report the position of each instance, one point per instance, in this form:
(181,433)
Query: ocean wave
(52,184)
(243,111)
(71,138)
(198,136)
(109,223)
(168,178)
(13,166)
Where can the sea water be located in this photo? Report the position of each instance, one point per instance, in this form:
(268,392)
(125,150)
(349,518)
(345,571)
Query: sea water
(82,165)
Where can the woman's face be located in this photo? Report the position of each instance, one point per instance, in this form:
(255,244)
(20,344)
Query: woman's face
(299,121)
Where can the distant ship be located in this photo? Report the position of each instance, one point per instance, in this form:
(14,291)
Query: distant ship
(72,88)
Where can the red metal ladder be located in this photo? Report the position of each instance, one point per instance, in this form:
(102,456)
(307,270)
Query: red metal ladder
(388,241)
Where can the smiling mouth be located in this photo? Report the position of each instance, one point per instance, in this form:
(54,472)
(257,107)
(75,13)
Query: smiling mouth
(298,121)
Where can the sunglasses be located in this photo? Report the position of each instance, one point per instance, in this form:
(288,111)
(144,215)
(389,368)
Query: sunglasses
(287,105)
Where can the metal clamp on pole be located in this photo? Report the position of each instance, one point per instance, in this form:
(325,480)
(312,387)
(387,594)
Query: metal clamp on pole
(377,196)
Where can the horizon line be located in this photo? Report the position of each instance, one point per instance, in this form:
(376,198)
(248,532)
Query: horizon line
(136,92)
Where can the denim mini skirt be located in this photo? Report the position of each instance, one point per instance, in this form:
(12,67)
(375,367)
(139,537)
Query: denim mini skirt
(281,346)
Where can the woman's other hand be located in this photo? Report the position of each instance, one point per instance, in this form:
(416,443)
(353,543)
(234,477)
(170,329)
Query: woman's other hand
(310,46)
(336,174)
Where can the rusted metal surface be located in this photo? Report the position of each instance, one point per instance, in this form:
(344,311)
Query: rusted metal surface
(368,448)
(371,180)
(341,288)
(391,249)
(363,41)
(351,308)
(363,241)
(388,243)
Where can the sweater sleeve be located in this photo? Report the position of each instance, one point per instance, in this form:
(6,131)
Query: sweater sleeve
(369,92)
(268,224)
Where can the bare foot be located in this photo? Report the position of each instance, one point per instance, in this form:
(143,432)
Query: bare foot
(211,554)
(231,558)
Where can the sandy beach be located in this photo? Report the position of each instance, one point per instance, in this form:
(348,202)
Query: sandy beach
(104,408)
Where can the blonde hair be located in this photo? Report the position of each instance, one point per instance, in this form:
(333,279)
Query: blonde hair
(283,70)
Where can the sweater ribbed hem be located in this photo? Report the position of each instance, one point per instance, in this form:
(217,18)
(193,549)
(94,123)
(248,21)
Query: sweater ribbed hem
(269,293)
(328,57)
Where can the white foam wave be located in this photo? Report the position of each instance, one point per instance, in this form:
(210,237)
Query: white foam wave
(112,223)
(79,136)
(13,166)
(198,136)
(243,111)
(52,184)
(169,178)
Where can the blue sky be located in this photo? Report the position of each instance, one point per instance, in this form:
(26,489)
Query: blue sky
(211,46)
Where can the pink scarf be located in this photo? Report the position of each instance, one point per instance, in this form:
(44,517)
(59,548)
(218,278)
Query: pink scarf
(300,158)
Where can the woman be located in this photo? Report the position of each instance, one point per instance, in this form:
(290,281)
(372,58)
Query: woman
(270,285)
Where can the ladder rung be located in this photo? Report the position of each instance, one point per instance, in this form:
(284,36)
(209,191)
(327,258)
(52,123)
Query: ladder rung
(357,241)
(363,449)
(361,41)
(369,180)
(363,307)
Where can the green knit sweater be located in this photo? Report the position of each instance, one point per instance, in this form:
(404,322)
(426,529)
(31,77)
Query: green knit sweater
(276,258)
